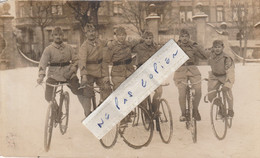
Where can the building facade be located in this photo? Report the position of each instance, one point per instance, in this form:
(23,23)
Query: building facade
(174,15)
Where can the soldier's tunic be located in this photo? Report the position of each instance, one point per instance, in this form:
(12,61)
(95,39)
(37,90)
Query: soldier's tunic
(91,54)
(223,72)
(61,59)
(119,54)
(189,71)
(143,53)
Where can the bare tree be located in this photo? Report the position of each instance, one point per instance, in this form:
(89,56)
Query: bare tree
(134,13)
(41,15)
(243,21)
(85,12)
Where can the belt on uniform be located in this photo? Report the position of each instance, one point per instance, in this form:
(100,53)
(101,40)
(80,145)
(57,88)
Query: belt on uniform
(218,75)
(60,64)
(95,62)
(125,62)
(188,63)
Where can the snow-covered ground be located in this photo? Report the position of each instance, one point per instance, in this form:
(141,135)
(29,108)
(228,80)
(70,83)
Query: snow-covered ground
(23,108)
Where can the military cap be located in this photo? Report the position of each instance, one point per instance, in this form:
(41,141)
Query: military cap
(184,31)
(57,30)
(120,30)
(218,42)
(89,27)
(147,34)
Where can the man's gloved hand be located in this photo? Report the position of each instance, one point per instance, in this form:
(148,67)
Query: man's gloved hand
(40,79)
(225,89)
(84,80)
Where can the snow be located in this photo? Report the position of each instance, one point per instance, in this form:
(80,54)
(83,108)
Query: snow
(23,108)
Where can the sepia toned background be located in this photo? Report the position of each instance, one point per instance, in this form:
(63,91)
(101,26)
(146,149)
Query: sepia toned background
(25,30)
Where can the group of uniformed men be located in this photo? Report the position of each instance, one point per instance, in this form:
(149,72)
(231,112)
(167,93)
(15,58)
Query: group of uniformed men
(95,56)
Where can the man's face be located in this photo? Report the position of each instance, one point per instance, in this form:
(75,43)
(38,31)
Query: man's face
(91,34)
(184,38)
(218,49)
(148,40)
(57,37)
(121,37)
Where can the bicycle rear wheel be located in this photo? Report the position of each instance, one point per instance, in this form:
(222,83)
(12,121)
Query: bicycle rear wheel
(165,121)
(219,125)
(109,140)
(64,112)
(48,127)
(135,134)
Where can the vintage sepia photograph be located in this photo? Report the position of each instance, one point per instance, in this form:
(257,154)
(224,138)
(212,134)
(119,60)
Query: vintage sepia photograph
(62,61)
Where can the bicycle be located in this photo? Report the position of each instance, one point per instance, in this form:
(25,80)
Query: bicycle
(191,123)
(163,117)
(56,113)
(220,121)
(130,130)
(109,140)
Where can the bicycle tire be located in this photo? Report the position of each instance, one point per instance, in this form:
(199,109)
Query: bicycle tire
(218,123)
(194,130)
(134,134)
(146,126)
(64,120)
(109,140)
(48,127)
(229,122)
(165,121)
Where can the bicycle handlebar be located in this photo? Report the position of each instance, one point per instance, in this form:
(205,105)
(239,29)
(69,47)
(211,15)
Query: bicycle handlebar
(55,85)
(191,84)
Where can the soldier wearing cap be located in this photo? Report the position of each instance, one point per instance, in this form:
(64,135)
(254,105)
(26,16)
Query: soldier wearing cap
(92,68)
(120,55)
(222,67)
(189,71)
(144,51)
(62,61)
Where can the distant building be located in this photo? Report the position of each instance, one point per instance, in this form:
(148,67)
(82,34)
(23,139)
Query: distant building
(174,15)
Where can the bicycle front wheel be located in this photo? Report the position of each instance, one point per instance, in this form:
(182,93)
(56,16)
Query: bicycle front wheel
(135,134)
(64,112)
(48,127)
(165,121)
(219,125)
(194,130)
(109,140)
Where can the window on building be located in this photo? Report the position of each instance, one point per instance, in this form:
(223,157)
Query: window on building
(117,8)
(238,12)
(220,14)
(185,14)
(56,10)
(22,11)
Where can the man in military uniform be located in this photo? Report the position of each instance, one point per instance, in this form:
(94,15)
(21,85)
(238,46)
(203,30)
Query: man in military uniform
(222,67)
(92,68)
(120,54)
(189,71)
(62,61)
(144,51)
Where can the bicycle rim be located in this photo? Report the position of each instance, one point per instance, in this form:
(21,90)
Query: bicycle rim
(165,121)
(64,112)
(136,135)
(48,127)
(219,125)
(109,140)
